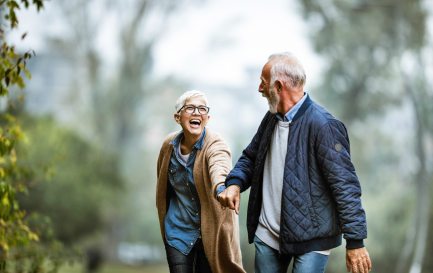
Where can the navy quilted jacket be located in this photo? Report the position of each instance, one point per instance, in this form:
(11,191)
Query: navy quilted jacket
(321,192)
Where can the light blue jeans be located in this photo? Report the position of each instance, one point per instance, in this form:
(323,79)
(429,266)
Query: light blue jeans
(269,260)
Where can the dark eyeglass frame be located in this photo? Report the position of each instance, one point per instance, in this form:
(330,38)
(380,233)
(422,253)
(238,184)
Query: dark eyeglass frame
(190,109)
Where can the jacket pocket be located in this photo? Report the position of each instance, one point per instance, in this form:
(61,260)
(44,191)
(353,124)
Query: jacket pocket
(313,215)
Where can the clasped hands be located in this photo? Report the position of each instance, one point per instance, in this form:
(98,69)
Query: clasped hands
(230,198)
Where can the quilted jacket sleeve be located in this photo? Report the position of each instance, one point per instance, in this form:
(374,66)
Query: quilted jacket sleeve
(333,155)
(243,171)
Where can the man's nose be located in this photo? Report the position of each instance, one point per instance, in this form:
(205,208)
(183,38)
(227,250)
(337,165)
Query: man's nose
(261,88)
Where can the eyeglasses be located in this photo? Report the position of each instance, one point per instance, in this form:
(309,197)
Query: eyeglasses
(190,109)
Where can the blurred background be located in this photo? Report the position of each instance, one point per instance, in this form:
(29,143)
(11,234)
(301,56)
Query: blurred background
(100,99)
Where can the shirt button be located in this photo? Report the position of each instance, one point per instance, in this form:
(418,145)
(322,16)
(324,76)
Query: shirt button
(192,199)
(192,243)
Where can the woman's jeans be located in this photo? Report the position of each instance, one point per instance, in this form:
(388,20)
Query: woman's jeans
(194,262)
(269,260)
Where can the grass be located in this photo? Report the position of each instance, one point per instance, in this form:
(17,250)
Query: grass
(118,268)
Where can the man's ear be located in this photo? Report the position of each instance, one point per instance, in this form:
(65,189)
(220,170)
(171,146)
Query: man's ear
(278,85)
(176,118)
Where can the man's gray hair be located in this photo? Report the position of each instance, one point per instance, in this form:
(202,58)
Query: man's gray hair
(288,69)
(188,95)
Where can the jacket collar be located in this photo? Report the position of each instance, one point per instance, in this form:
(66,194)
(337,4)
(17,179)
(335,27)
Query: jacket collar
(303,108)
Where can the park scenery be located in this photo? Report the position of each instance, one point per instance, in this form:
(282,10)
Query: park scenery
(87,95)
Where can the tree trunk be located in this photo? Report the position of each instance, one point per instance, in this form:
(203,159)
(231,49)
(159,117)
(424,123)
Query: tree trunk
(422,209)
(409,244)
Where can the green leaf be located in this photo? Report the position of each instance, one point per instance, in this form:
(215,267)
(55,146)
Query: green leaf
(13,4)
(5,201)
(3,90)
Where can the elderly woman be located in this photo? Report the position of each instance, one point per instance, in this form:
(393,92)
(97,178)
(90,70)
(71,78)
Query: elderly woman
(199,235)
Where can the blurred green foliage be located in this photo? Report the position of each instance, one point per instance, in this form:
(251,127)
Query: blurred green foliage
(55,188)
(14,229)
(75,183)
(118,268)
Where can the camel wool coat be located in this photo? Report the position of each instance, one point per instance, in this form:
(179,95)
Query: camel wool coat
(219,226)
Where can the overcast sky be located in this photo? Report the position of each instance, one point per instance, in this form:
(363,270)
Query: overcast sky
(202,41)
(232,34)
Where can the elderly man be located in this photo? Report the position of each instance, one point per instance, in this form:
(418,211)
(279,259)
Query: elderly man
(304,190)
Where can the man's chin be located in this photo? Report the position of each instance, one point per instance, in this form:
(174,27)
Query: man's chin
(273,110)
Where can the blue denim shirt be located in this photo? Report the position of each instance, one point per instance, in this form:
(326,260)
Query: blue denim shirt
(182,222)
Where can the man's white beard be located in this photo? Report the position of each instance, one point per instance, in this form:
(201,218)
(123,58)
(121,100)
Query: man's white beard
(273,100)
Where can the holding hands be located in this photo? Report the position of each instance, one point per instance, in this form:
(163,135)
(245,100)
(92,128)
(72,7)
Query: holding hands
(230,198)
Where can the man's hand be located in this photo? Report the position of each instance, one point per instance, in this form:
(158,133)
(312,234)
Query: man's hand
(358,260)
(231,198)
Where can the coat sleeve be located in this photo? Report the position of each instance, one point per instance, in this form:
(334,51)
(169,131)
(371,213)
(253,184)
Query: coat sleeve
(219,162)
(333,155)
(243,171)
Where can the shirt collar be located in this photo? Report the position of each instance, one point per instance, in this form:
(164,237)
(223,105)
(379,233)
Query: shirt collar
(198,145)
(292,112)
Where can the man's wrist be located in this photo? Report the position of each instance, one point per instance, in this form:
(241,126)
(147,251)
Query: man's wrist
(235,185)
(234,182)
(354,244)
